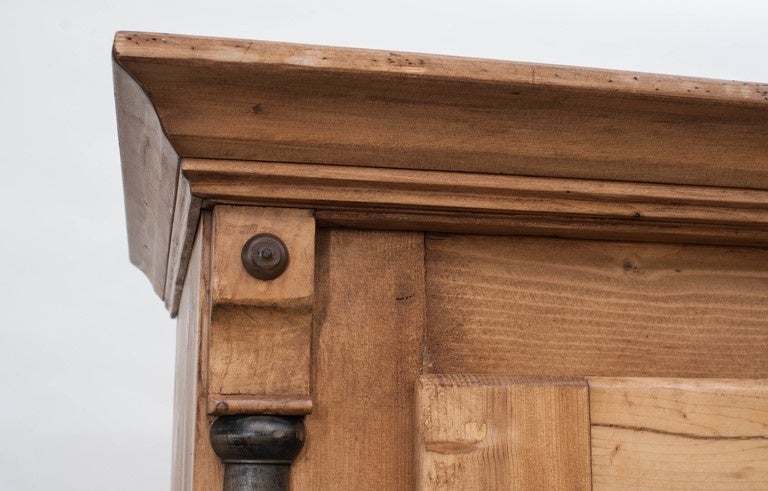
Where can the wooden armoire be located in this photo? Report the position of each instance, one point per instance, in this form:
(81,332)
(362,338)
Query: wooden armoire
(396,271)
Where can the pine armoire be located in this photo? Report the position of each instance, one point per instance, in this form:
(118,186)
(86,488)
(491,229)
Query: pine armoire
(395,271)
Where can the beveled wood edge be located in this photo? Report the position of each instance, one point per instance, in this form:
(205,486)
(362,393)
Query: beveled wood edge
(186,216)
(150,168)
(289,405)
(132,46)
(492,380)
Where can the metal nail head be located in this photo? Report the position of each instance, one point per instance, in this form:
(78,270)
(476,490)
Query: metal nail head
(265,256)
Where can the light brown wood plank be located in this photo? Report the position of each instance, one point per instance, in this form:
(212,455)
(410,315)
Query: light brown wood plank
(720,408)
(679,433)
(187,370)
(208,469)
(260,337)
(566,307)
(487,432)
(195,466)
(150,167)
(366,352)
(249,100)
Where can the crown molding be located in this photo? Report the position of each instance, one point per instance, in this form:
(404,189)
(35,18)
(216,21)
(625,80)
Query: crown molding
(422,142)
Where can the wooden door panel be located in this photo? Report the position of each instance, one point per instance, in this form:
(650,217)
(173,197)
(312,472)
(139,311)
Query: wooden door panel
(486,432)
(493,432)
(679,433)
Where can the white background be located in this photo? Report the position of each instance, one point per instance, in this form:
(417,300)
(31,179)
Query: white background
(86,349)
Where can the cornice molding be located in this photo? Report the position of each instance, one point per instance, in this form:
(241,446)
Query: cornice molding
(422,142)
(490,204)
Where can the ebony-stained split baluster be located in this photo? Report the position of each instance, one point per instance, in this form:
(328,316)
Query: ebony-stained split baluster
(257,450)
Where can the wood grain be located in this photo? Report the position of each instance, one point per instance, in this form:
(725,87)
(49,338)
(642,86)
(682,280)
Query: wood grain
(566,307)
(260,336)
(206,98)
(486,432)
(635,229)
(195,465)
(718,408)
(187,371)
(679,433)
(134,46)
(231,283)
(259,351)
(250,404)
(433,199)
(150,167)
(248,100)
(366,354)
(186,215)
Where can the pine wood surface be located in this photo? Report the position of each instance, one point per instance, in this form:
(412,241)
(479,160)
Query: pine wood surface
(204,98)
(633,229)
(195,465)
(481,203)
(187,371)
(136,46)
(260,331)
(520,305)
(366,354)
(487,433)
(407,142)
(150,168)
(231,284)
(186,216)
(679,433)
(218,404)
(259,352)
(249,100)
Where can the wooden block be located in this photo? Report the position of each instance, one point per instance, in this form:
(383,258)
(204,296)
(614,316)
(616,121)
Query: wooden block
(586,308)
(366,351)
(491,432)
(258,351)
(679,433)
(231,283)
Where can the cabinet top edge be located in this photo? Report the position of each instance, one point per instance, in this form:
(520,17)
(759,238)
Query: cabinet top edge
(131,47)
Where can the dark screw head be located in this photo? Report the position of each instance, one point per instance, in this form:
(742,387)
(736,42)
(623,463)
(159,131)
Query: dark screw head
(265,256)
(222,407)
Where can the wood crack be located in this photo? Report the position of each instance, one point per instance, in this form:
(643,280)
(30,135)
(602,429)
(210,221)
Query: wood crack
(680,434)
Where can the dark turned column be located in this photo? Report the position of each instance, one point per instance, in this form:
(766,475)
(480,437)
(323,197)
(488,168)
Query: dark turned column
(257,450)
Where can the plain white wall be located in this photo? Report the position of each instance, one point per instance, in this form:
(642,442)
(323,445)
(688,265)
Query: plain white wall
(86,349)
